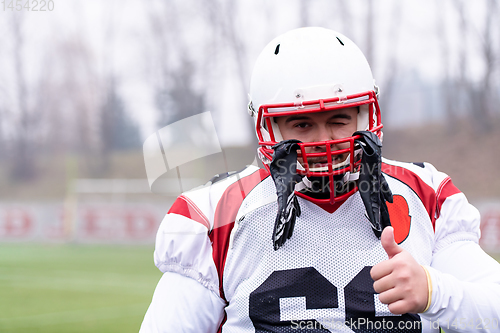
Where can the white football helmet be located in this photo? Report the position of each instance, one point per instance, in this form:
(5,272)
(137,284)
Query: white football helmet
(313,70)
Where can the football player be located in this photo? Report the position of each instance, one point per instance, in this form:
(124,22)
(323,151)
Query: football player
(329,236)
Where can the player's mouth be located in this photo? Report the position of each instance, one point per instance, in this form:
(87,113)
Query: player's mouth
(319,164)
(323,162)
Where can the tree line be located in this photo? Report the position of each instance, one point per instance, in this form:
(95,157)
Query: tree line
(74,104)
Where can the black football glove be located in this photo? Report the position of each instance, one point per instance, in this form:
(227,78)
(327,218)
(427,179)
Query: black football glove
(284,172)
(372,185)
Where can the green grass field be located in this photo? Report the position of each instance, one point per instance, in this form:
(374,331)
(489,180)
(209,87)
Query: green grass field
(75,288)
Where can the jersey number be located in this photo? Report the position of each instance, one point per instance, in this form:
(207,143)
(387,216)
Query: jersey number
(319,293)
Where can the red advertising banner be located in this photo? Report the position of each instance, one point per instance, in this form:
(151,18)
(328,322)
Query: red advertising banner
(134,223)
(103,223)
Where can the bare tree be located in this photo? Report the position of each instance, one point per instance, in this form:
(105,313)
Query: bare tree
(462,95)
(22,150)
(223,15)
(175,94)
(74,112)
(484,95)
(2,135)
(117,129)
(462,87)
(448,82)
(3,115)
(52,94)
(392,65)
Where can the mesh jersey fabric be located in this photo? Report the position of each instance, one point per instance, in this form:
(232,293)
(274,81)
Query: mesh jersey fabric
(339,247)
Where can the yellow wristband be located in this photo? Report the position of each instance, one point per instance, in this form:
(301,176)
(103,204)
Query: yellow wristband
(429,288)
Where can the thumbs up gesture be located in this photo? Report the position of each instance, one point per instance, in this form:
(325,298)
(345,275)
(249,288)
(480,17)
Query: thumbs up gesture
(400,280)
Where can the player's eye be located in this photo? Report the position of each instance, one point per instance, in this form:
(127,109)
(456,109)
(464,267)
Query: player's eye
(338,122)
(301,125)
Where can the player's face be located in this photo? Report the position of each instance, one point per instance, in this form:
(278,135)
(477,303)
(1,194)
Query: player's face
(320,126)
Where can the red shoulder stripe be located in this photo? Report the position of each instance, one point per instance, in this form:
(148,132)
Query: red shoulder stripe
(185,207)
(421,189)
(225,216)
(445,190)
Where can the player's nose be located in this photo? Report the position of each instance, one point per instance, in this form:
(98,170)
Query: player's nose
(323,134)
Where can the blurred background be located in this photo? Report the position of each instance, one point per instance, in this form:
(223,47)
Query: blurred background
(84,83)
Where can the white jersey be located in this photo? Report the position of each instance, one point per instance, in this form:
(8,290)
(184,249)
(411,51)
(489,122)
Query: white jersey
(219,237)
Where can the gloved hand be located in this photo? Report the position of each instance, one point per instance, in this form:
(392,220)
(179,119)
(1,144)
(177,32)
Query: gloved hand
(284,173)
(372,185)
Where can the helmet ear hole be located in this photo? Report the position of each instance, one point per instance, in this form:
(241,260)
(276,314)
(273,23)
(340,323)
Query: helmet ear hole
(277,50)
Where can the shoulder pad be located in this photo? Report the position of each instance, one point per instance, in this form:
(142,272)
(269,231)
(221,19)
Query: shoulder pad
(220,177)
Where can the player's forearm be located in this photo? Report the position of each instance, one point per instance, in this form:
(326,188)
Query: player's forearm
(463,306)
